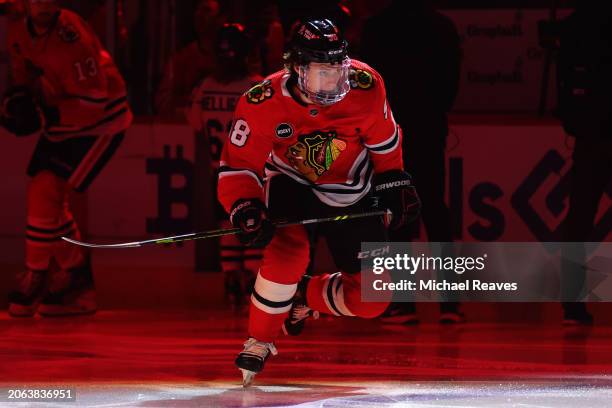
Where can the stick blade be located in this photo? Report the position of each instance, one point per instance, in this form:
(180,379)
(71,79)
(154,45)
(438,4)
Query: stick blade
(90,245)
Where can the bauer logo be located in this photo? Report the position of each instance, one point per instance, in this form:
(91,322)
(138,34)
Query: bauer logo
(284,130)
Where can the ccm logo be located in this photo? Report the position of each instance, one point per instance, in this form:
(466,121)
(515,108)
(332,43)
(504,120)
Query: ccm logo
(392,184)
(373,253)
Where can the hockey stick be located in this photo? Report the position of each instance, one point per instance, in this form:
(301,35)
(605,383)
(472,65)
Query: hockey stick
(220,232)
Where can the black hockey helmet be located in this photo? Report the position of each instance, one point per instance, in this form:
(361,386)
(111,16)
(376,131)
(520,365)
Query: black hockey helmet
(231,42)
(319,41)
(316,41)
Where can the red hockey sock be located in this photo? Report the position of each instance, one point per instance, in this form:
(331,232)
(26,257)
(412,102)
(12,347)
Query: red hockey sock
(339,294)
(49,219)
(285,261)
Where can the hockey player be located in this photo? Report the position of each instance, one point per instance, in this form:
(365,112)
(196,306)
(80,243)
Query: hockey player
(67,90)
(316,139)
(211,111)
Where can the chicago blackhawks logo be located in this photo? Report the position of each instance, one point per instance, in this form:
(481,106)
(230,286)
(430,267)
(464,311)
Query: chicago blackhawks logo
(260,92)
(361,79)
(314,153)
(68,33)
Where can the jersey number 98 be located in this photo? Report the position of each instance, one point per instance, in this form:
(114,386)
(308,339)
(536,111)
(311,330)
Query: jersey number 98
(240,133)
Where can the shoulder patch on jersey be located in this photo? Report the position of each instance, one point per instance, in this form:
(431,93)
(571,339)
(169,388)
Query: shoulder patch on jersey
(68,33)
(260,92)
(361,79)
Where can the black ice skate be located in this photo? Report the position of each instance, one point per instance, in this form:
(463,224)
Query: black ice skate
(300,312)
(24,301)
(400,313)
(76,297)
(576,314)
(252,359)
(450,313)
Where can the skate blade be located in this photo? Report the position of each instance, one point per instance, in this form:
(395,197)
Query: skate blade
(247,377)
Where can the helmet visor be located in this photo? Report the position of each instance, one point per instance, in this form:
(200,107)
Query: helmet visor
(324,83)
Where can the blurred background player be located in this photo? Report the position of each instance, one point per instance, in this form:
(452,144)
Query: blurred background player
(66,89)
(265,31)
(326,136)
(423,81)
(585,108)
(190,64)
(210,114)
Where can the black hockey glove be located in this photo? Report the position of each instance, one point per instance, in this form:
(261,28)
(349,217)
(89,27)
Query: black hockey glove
(396,193)
(251,216)
(23,114)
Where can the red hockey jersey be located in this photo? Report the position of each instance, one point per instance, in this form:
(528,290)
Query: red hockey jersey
(72,72)
(334,149)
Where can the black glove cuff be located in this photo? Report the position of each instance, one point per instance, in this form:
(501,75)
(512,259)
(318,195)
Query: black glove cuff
(391,180)
(21,112)
(245,204)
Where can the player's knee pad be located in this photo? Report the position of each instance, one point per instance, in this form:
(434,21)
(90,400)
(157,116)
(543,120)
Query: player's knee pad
(47,196)
(286,258)
(48,217)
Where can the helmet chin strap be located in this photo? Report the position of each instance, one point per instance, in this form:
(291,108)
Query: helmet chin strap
(304,94)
